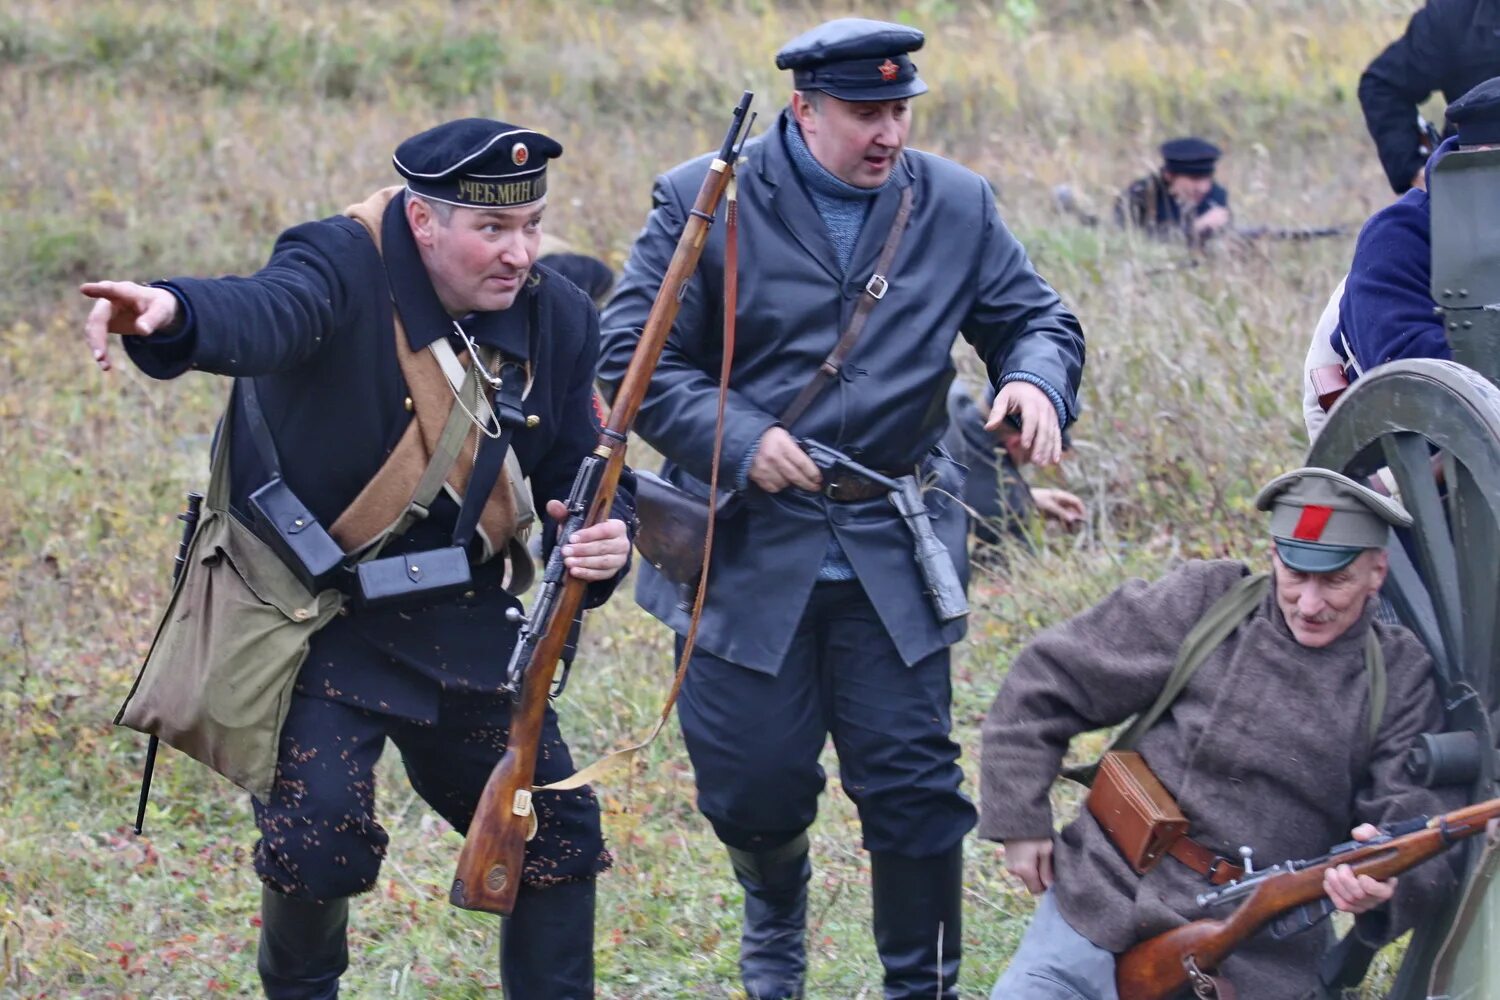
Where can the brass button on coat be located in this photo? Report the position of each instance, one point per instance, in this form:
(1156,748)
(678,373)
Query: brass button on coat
(410,406)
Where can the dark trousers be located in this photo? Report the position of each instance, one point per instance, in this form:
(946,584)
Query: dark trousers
(754,739)
(319,835)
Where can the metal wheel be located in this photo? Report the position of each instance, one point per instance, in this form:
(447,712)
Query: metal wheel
(1435,426)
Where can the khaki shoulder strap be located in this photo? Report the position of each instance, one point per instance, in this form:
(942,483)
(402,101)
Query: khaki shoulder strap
(1226,614)
(1208,634)
(399,490)
(1223,617)
(1375,670)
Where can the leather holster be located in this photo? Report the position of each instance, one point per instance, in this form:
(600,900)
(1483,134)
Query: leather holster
(674,526)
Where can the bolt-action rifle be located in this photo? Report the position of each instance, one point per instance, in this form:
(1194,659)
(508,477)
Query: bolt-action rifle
(1289,896)
(1290,233)
(489,866)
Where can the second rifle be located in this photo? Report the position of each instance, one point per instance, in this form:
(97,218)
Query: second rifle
(1185,956)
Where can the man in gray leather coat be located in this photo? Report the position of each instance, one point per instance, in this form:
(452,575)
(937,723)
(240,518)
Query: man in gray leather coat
(816,620)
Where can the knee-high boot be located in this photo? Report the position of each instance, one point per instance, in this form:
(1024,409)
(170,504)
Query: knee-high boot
(918,922)
(773,955)
(547,944)
(304,946)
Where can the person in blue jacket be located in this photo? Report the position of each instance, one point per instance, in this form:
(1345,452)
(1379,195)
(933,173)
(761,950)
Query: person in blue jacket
(327,331)
(1387,312)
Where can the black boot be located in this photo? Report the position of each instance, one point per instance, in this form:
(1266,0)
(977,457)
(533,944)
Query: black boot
(918,922)
(304,947)
(773,955)
(547,944)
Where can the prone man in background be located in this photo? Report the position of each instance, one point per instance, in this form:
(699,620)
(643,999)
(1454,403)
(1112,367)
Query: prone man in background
(1182,197)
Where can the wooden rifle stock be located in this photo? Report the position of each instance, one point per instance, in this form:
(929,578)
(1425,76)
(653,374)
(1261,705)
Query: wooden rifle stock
(489,866)
(1158,968)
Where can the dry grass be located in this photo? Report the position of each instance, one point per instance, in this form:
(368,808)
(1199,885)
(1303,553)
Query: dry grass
(148,138)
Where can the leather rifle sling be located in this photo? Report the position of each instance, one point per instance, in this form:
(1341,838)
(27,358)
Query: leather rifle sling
(731,302)
(875,290)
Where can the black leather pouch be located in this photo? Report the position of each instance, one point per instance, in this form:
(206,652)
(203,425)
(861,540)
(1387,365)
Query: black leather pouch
(285,524)
(412,579)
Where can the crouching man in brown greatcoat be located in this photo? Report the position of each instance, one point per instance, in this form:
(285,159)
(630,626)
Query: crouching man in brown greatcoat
(1281,741)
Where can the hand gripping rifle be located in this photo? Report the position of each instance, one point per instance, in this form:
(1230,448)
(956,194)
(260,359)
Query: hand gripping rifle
(489,866)
(1289,894)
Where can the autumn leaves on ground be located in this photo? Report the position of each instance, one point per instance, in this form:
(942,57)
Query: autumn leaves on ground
(144,138)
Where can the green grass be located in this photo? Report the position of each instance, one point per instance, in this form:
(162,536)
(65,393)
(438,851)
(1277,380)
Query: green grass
(152,138)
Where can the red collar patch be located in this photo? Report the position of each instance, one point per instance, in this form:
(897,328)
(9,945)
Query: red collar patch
(1312,522)
(888,70)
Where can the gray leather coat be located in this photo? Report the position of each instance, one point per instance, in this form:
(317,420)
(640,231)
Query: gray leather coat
(958,270)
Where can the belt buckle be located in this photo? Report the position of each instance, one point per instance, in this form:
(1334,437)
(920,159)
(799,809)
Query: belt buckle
(876,286)
(831,489)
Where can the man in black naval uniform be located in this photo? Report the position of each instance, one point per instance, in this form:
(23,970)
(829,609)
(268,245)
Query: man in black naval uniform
(816,621)
(1449,45)
(449,258)
(1180,198)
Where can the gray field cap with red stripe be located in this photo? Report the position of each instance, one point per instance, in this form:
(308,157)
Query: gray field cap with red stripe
(1322,520)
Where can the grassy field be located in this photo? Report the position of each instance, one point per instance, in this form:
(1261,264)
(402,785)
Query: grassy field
(144,138)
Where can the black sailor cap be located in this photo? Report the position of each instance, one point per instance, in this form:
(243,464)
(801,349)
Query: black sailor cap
(1190,156)
(477,162)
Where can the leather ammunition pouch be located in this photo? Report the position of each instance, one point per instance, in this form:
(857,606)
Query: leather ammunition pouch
(277,517)
(286,525)
(1329,382)
(1128,801)
(1134,809)
(412,579)
(1142,820)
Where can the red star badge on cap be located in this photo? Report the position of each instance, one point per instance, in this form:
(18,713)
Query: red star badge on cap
(519,154)
(888,70)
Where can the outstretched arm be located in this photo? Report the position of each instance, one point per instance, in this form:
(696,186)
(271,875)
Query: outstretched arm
(128,309)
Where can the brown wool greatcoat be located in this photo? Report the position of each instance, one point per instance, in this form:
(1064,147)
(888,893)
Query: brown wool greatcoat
(1267,746)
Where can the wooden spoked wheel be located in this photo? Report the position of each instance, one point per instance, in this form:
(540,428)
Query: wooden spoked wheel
(1434,426)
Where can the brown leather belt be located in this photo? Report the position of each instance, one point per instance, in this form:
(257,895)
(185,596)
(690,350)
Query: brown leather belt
(848,487)
(1214,867)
